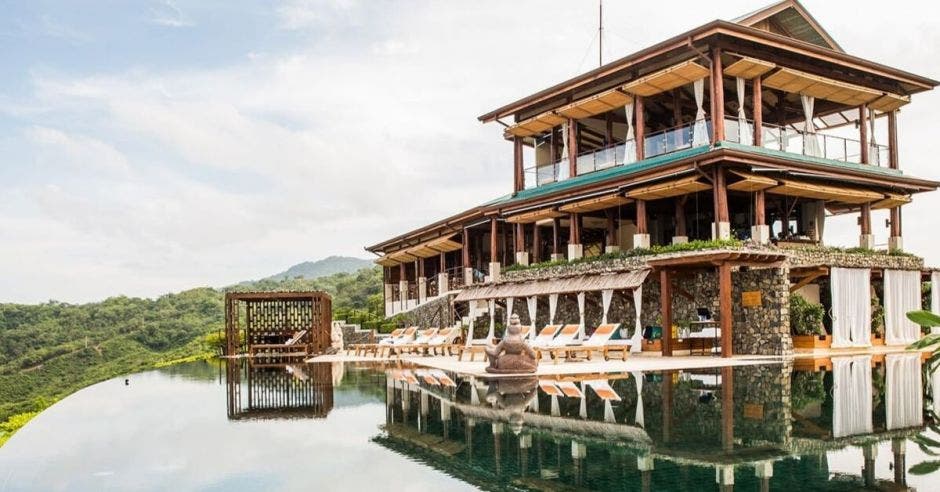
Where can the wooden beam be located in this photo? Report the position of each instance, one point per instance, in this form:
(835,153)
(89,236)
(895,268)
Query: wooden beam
(572,147)
(806,280)
(724,308)
(863,132)
(641,225)
(893,140)
(665,301)
(639,128)
(760,208)
(758,110)
(494,243)
(718,95)
(519,172)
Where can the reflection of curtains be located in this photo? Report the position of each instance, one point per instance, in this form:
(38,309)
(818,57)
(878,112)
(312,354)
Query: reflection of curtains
(474,396)
(582,411)
(640,417)
(851,307)
(810,142)
(509,302)
(552,307)
(581,314)
(901,295)
(903,394)
(744,131)
(629,143)
(700,130)
(492,333)
(637,340)
(532,303)
(556,411)
(606,296)
(609,412)
(852,395)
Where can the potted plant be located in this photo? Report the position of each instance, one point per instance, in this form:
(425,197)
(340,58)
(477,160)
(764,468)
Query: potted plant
(806,324)
(654,343)
(877,321)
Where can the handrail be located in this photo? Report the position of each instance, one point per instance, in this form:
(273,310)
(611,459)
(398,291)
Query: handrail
(820,145)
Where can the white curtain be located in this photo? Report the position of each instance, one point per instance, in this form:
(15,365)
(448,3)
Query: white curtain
(509,302)
(851,307)
(562,171)
(552,307)
(532,304)
(901,295)
(744,131)
(810,142)
(581,314)
(637,340)
(903,393)
(873,156)
(629,144)
(700,130)
(640,417)
(607,295)
(472,311)
(492,333)
(851,395)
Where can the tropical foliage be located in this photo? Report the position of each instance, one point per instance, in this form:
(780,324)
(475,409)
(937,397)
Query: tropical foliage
(806,318)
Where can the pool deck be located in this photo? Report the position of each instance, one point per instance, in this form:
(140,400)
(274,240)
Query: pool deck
(642,362)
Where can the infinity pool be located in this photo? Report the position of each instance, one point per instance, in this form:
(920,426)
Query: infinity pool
(842,424)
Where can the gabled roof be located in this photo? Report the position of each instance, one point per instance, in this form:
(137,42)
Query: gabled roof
(789,18)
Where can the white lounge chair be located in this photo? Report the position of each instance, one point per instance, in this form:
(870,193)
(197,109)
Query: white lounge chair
(599,341)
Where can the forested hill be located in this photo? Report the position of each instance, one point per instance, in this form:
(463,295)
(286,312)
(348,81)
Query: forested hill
(50,350)
(322,268)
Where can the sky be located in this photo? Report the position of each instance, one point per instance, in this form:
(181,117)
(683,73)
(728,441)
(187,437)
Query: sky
(153,146)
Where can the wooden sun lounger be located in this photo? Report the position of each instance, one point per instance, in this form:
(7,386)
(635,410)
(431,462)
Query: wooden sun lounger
(281,349)
(360,348)
(598,342)
(564,337)
(384,349)
(420,343)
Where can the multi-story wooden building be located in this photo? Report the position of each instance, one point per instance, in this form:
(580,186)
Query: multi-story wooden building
(757,128)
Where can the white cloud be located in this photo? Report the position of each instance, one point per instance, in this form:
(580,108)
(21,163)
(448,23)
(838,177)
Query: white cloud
(167,14)
(307,14)
(81,153)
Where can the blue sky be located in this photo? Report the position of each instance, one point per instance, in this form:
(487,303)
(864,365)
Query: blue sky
(153,146)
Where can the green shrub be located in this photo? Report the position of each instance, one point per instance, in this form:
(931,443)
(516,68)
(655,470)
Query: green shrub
(636,252)
(806,318)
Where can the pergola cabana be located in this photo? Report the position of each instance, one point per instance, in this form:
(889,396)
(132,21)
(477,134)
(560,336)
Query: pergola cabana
(722,262)
(577,285)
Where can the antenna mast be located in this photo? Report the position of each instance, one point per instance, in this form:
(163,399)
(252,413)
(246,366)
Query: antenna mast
(600,33)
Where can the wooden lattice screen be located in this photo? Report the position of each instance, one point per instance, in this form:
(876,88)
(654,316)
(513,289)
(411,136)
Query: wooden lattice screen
(273,319)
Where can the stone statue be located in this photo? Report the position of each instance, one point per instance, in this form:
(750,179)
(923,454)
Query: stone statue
(513,355)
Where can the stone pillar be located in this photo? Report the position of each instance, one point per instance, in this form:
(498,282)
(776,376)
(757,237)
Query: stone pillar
(557,255)
(724,477)
(495,270)
(764,471)
(575,248)
(443,283)
(899,449)
(895,243)
(642,238)
(522,256)
(760,231)
(645,465)
(403,289)
(422,289)
(468,276)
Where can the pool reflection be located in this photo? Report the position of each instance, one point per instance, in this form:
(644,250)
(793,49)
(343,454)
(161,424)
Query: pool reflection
(277,391)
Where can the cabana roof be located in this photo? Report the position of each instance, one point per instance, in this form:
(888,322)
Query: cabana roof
(567,285)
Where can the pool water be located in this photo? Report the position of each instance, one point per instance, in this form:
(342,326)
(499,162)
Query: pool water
(849,423)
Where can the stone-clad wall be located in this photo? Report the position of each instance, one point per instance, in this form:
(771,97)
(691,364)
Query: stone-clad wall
(435,313)
(763,330)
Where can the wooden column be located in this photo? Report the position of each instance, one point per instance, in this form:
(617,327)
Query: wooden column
(519,172)
(721,196)
(552,146)
(758,103)
(465,250)
(760,208)
(639,127)
(443,264)
(572,147)
(641,226)
(718,96)
(665,302)
(680,216)
(574,231)
(536,243)
(556,225)
(727,408)
(724,308)
(494,241)
(402,273)
(893,139)
(520,238)
(864,221)
(608,129)
(667,396)
(895,221)
(863,133)
(611,228)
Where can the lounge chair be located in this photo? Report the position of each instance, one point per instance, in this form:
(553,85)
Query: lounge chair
(598,342)
(359,348)
(545,336)
(384,349)
(419,343)
(286,349)
(565,337)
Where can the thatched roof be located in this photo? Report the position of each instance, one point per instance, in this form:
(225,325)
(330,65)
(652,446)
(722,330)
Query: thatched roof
(564,285)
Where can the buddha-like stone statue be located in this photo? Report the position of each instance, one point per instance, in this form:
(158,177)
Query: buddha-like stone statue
(512,355)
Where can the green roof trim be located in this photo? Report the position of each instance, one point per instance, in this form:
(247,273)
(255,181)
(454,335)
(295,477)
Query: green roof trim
(809,159)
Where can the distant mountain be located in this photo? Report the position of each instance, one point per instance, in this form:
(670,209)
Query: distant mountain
(321,268)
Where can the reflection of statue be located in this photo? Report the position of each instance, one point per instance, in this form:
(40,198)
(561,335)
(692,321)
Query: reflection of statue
(513,394)
(512,355)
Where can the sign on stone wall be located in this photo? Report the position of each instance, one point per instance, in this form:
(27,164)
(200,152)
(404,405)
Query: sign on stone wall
(751,298)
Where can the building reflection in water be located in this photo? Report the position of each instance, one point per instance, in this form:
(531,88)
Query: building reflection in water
(744,426)
(278,391)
